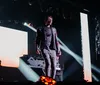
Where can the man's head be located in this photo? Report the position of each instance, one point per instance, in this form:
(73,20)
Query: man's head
(48,20)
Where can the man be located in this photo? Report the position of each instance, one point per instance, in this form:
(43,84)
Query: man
(47,45)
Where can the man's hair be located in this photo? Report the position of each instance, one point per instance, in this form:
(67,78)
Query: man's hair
(46,17)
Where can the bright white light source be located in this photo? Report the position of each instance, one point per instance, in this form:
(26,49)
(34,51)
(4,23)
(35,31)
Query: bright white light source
(85,47)
(32,28)
(25,23)
(13,44)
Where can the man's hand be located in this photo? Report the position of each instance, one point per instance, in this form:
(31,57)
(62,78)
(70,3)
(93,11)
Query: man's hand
(59,54)
(57,57)
(38,52)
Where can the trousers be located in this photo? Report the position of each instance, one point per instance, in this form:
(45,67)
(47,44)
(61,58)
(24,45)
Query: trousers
(50,62)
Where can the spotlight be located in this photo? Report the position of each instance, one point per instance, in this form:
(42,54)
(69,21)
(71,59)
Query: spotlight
(47,80)
(25,23)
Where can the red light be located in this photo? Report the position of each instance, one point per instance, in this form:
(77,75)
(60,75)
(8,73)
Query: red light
(47,80)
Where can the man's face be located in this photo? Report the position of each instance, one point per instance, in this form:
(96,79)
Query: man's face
(49,21)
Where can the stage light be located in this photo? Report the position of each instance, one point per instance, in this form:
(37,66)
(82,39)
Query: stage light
(32,28)
(86,47)
(47,80)
(42,77)
(53,81)
(28,72)
(95,78)
(25,23)
(76,57)
(46,83)
(13,44)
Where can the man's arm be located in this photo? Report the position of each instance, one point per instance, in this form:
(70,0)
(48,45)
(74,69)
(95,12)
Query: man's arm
(38,40)
(57,45)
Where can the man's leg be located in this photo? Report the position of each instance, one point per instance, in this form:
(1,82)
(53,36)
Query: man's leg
(46,57)
(53,63)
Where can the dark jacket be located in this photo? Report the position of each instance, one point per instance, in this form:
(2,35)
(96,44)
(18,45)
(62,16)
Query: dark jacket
(40,39)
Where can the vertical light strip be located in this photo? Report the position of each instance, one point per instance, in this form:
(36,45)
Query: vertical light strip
(85,47)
